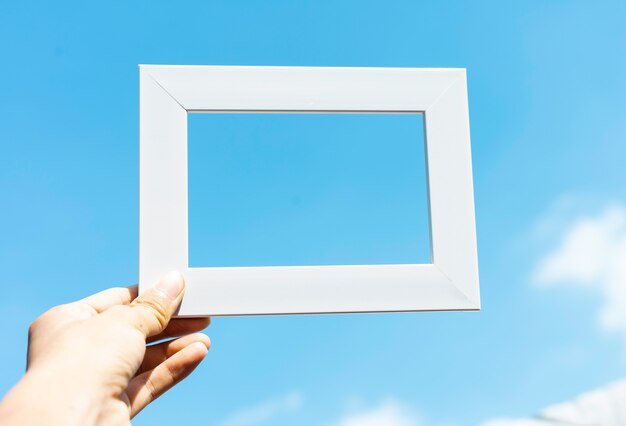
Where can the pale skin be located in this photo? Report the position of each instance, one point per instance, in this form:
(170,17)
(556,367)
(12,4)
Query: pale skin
(88,363)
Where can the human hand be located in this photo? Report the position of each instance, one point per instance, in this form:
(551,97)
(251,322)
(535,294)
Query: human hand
(88,362)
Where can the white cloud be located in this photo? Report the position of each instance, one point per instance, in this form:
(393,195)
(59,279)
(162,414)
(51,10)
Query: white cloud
(387,413)
(592,254)
(518,422)
(265,411)
(603,406)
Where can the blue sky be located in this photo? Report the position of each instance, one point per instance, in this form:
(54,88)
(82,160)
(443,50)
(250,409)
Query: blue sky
(307,189)
(548,123)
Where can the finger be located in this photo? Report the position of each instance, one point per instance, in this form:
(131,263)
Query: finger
(106,299)
(148,386)
(156,354)
(151,311)
(181,326)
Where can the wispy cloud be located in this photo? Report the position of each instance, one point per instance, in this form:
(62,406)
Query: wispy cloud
(387,413)
(591,253)
(265,411)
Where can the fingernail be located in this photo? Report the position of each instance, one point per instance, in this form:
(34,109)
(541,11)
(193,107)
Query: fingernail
(200,347)
(171,284)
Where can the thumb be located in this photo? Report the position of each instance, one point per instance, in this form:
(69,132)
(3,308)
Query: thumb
(152,310)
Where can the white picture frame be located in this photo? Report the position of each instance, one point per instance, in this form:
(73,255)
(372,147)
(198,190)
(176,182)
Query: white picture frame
(169,92)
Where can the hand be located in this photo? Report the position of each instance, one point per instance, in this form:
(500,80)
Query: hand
(88,362)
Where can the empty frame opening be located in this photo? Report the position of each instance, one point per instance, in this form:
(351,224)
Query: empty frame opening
(287,189)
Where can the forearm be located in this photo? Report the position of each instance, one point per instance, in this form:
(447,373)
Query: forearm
(41,398)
